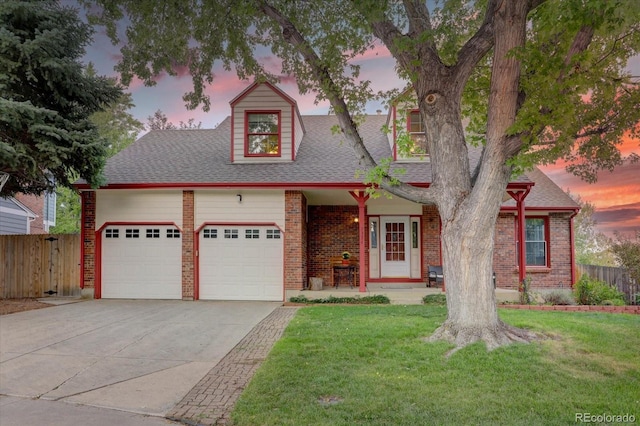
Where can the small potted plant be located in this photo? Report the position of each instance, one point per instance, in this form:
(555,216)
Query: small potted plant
(345,257)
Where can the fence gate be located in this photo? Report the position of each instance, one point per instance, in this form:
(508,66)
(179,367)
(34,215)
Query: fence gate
(39,265)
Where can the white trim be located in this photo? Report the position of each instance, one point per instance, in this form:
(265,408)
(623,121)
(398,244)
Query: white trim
(23,211)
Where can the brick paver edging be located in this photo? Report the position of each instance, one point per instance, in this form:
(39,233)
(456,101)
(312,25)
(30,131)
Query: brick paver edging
(211,401)
(577,308)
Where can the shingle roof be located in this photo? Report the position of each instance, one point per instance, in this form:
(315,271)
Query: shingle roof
(202,156)
(545,194)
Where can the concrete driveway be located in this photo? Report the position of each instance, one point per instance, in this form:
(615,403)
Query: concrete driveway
(138,356)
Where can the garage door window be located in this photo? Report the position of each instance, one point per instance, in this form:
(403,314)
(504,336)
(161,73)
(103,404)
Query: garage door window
(210,233)
(273,234)
(173,233)
(112,233)
(252,233)
(231,233)
(153,233)
(132,233)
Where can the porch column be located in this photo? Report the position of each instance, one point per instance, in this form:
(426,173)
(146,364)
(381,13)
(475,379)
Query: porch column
(362,198)
(519,196)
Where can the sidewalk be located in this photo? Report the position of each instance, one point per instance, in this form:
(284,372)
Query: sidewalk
(211,401)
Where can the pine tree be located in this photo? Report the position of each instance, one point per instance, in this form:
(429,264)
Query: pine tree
(47,98)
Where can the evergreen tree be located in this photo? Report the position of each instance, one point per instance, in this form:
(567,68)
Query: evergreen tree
(47,99)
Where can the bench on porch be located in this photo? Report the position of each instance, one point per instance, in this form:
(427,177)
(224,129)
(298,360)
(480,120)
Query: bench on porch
(436,275)
(347,268)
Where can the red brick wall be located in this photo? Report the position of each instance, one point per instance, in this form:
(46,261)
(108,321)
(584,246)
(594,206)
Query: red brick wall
(36,204)
(295,240)
(560,251)
(89,238)
(331,231)
(430,238)
(504,252)
(504,256)
(188,282)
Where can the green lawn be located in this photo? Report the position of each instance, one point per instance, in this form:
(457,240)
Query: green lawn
(348,365)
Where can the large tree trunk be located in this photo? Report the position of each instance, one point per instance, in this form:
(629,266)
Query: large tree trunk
(469,205)
(467,244)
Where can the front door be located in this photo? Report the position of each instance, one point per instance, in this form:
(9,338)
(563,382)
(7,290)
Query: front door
(395,257)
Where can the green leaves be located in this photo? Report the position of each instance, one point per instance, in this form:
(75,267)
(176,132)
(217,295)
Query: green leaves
(47,98)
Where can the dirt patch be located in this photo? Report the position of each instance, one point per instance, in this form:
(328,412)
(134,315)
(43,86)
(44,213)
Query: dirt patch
(10,306)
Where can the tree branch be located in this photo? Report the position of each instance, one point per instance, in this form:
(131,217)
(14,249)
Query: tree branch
(349,129)
(419,19)
(478,45)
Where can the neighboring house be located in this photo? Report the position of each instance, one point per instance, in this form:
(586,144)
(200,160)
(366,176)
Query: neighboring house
(27,214)
(260,204)
(15,217)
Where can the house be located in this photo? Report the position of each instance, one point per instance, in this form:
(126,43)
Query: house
(260,204)
(27,214)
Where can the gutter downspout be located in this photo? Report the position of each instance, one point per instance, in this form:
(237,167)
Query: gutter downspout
(83,235)
(573,247)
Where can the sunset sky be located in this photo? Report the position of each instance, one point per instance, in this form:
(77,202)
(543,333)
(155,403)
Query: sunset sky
(616,195)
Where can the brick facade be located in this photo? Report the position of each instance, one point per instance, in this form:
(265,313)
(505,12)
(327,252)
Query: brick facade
(314,234)
(295,240)
(555,275)
(36,204)
(188,259)
(332,230)
(430,238)
(88,234)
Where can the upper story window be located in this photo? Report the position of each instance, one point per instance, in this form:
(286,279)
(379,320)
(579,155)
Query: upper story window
(416,129)
(263,133)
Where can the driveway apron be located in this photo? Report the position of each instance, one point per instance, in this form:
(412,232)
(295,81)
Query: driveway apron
(139,356)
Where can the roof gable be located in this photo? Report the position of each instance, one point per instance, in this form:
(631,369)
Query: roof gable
(246,92)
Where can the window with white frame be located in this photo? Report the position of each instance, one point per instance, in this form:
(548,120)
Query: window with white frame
(231,233)
(112,233)
(252,234)
(153,233)
(263,133)
(210,233)
(273,234)
(173,233)
(536,240)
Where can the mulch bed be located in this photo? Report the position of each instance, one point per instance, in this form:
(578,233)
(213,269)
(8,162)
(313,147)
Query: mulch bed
(577,308)
(10,306)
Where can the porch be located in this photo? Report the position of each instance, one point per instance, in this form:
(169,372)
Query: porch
(398,293)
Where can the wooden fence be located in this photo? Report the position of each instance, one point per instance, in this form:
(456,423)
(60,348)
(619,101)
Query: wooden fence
(39,265)
(615,277)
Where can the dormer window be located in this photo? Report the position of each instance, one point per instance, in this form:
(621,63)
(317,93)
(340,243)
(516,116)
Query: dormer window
(416,129)
(262,137)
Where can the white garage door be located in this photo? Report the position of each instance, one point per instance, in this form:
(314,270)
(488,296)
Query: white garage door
(141,262)
(241,263)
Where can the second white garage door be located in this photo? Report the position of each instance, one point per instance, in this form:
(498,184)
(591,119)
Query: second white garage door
(241,263)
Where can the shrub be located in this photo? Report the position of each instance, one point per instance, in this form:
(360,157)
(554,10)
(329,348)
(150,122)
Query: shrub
(526,296)
(435,300)
(378,299)
(589,291)
(559,297)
